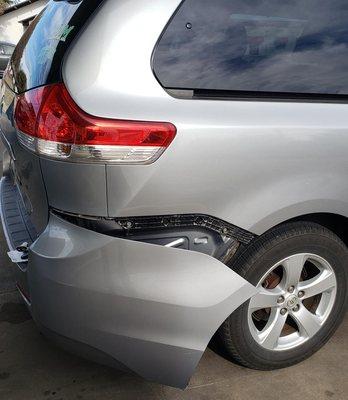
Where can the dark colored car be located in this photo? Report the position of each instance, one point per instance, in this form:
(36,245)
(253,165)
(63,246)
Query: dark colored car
(6,50)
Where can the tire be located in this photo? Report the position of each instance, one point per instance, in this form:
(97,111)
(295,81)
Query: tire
(241,334)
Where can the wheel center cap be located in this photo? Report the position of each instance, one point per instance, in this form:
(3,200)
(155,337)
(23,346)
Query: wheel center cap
(292,301)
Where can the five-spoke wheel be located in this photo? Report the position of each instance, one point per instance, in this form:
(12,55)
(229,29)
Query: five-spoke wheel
(300,270)
(295,298)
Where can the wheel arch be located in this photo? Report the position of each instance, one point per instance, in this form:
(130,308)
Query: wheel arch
(336,223)
(332,214)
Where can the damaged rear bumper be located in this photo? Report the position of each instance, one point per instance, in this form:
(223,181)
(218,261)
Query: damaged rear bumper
(152,309)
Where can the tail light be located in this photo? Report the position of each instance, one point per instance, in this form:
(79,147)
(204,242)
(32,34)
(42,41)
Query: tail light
(50,123)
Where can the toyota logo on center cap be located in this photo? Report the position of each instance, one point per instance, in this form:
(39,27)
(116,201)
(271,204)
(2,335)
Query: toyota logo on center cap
(292,301)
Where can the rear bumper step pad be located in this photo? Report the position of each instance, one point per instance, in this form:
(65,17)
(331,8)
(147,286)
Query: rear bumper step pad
(16,221)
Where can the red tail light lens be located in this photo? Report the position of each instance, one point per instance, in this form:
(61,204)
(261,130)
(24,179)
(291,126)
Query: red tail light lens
(50,123)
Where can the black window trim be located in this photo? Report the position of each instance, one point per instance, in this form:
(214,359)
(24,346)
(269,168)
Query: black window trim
(235,95)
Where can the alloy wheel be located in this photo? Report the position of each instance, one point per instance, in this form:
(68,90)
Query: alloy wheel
(295,299)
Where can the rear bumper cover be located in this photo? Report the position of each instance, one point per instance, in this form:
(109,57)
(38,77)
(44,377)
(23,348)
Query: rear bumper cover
(151,308)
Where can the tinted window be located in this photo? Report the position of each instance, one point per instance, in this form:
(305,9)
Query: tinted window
(38,56)
(294,46)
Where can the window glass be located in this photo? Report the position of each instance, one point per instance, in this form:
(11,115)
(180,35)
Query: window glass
(35,52)
(291,46)
(37,59)
(8,49)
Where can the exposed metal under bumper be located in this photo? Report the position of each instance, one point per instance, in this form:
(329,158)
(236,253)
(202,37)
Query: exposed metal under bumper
(132,225)
(194,232)
(152,308)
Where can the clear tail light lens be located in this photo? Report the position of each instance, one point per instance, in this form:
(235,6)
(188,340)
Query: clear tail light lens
(50,123)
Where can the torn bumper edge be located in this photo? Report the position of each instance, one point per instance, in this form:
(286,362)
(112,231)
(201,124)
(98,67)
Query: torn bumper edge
(151,308)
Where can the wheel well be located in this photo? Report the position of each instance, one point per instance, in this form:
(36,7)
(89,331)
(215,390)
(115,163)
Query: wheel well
(336,223)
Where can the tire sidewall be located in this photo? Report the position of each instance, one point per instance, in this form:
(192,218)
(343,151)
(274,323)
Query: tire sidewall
(257,265)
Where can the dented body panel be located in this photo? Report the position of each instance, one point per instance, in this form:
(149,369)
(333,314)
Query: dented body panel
(154,309)
(244,165)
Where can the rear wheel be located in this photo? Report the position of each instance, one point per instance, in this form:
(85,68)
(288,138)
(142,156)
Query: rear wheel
(300,270)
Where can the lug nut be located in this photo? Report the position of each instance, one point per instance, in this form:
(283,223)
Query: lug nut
(291,289)
(301,294)
(280,300)
(295,309)
(283,311)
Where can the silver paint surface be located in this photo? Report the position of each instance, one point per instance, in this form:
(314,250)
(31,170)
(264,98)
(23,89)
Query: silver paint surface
(76,188)
(153,308)
(252,163)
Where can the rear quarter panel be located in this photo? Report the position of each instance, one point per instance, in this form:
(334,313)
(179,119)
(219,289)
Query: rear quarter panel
(25,165)
(252,163)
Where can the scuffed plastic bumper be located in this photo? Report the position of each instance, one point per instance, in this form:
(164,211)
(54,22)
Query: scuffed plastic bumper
(153,309)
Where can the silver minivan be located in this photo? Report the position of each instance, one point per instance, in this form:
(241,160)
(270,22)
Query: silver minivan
(176,171)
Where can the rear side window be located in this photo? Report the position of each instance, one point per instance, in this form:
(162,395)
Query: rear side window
(263,46)
(38,56)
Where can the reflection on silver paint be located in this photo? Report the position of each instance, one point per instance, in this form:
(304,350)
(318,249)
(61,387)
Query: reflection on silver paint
(75,187)
(253,164)
(152,308)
